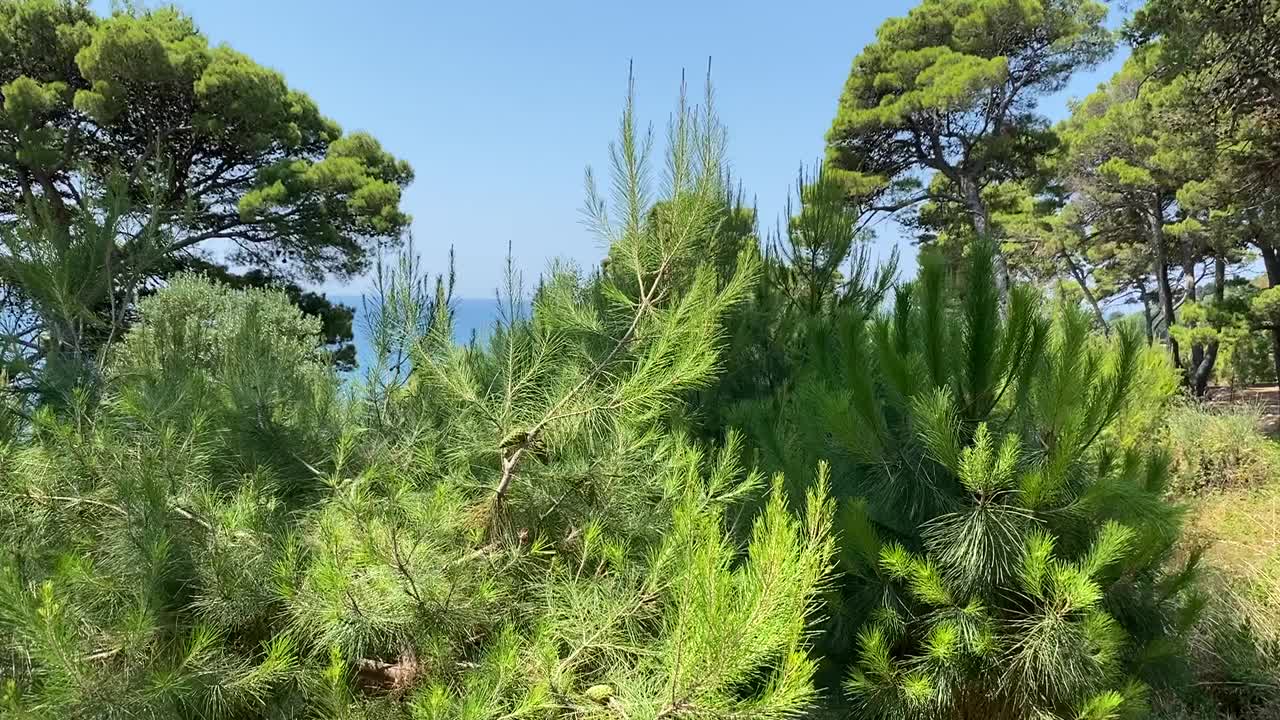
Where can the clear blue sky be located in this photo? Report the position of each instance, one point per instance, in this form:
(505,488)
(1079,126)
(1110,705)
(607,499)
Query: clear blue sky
(500,106)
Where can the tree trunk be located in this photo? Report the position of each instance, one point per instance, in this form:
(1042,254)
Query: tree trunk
(982,226)
(1275,358)
(1089,297)
(1202,371)
(1197,353)
(57,208)
(1271,260)
(1146,311)
(1160,268)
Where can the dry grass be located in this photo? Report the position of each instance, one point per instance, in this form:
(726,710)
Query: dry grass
(1220,447)
(1242,529)
(1263,398)
(1238,517)
(1226,465)
(1237,647)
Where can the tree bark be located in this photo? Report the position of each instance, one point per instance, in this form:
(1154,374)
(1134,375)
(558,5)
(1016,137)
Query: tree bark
(53,197)
(1271,261)
(1160,268)
(982,226)
(1089,297)
(1146,311)
(1197,353)
(1202,371)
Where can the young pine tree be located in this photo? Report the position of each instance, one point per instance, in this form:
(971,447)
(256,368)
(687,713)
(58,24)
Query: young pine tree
(1005,546)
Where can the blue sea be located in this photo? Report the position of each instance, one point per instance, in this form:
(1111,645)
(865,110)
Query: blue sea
(471,317)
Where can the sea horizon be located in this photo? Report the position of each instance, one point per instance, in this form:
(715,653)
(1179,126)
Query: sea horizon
(473,318)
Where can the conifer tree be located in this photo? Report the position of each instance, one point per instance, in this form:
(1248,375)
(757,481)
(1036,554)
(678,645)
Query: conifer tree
(820,262)
(499,531)
(1005,547)
(951,90)
(230,169)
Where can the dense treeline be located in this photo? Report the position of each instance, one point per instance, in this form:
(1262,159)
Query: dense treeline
(719,475)
(1157,191)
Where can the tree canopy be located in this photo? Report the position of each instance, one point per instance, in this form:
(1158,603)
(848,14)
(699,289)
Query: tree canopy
(236,154)
(951,89)
(211,152)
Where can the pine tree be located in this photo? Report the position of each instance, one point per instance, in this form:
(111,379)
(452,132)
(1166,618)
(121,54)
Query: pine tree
(821,262)
(1005,545)
(509,530)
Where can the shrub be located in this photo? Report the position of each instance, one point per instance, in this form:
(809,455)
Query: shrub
(1247,359)
(1217,448)
(1156,391)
